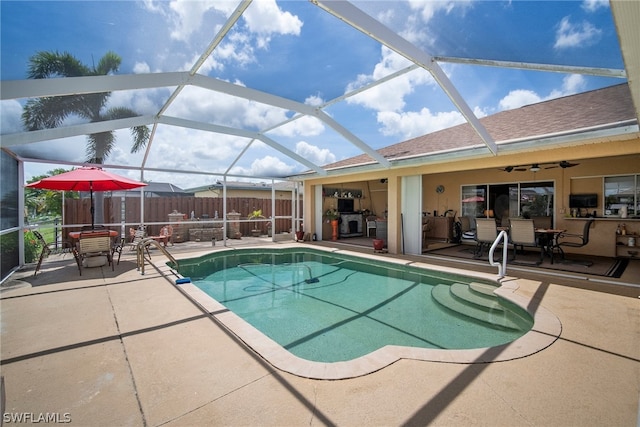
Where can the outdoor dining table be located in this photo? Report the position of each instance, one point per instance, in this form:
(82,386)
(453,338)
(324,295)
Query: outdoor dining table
(547,238)
(76,234)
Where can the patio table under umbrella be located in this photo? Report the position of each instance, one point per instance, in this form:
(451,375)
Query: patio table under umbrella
(89,178)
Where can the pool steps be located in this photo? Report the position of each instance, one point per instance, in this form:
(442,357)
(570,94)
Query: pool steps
(467,294)
(477,301)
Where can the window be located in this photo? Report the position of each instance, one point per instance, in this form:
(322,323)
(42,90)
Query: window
(536,199)
(511,200)
(474,200)
(622,193)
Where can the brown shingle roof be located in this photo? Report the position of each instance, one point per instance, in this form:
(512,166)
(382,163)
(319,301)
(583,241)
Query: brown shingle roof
(594,108)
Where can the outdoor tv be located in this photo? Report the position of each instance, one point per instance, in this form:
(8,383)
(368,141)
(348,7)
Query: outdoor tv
(345,205)
(583,200)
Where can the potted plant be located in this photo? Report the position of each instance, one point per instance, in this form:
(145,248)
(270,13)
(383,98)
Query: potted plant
(378,244)
(256,231)
(300,233)
(333,217)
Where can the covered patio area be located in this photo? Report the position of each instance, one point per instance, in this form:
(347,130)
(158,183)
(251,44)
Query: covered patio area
(119,348)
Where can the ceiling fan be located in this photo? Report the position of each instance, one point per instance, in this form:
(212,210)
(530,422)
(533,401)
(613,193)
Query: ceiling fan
(535,167)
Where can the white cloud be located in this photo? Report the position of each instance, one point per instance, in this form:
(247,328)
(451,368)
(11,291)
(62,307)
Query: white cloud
(481,112)
(412,123)
(304,126)
(10,117)
(571,84)
(570,35)
(141,68)
(427,9)
(267,166)
(237,48)
(187,16)
(593,5)
(315,100)
(390,95)
(517,98)
(209,64)
(143,102)
(195,22)
(317,155)
(265,18)
(224,109)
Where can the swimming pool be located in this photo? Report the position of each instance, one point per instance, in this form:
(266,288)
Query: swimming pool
(296,298)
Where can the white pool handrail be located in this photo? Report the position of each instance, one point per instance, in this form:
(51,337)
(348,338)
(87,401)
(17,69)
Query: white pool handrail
(502,268)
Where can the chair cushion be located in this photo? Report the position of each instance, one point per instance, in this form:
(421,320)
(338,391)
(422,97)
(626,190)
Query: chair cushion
(94,261)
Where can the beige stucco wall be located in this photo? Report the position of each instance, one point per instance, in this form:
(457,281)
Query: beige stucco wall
(595,161)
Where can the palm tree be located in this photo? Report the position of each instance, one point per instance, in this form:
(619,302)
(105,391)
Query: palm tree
(51,112)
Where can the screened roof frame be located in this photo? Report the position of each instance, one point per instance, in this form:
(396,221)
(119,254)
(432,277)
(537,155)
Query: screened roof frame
(624,13)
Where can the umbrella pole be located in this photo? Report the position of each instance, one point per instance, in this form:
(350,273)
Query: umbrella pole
(93,225)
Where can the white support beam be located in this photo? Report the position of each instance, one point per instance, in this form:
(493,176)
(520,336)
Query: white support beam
(13,139)
(208,127)
(569,69)
(16,89)
(221,86)
(214,43)
(353,139)
(273,144)
(347,95)
(376,30)
(287,104)
(37,88)
(238,157)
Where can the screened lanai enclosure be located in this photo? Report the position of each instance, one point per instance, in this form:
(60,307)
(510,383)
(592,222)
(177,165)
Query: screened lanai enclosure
(198,93)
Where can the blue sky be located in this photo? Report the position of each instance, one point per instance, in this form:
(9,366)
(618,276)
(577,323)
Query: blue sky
(296,50)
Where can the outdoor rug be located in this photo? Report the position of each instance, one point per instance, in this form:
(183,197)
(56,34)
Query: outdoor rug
(600,266)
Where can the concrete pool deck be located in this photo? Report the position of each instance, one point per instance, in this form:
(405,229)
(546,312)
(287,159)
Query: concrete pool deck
(118,348)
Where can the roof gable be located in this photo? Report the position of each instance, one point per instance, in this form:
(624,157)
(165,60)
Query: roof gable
(607,106)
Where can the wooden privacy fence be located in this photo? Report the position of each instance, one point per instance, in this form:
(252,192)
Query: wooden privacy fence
(157,210)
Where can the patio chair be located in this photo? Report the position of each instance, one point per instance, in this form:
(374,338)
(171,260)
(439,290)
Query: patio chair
(542,221)
(486,234)
(522,233)
(426,229)
(371,225)
(118,245)
(167,230)
(571,240)
(136,236)
(46,249)
(92,245)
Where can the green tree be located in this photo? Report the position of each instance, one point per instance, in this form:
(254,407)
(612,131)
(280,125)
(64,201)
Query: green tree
(51,112)
(40,202)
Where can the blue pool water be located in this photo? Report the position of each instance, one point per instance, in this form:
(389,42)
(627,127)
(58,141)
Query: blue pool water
(333,307)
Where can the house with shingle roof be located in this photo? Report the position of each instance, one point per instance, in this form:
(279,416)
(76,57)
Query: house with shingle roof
(155,189)
(583,144)
(258,190)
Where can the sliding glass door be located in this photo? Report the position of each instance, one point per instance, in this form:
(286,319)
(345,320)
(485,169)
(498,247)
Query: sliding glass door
(511,200)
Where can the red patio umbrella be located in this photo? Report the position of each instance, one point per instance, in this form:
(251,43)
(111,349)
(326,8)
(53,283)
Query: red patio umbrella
(90,178)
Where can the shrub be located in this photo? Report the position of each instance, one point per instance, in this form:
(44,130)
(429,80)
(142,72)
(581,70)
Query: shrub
(31,247)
